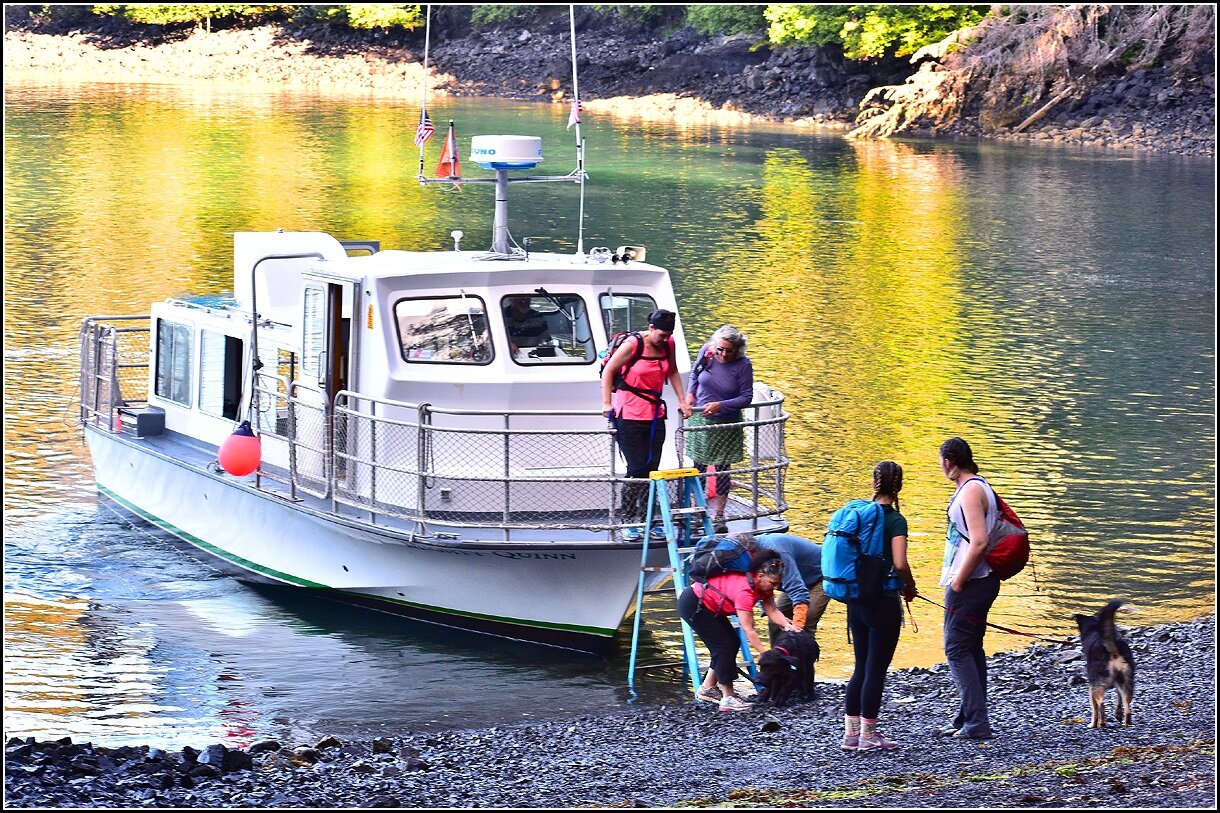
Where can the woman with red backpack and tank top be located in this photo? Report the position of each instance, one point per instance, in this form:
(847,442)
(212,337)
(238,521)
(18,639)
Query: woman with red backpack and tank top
(637,407)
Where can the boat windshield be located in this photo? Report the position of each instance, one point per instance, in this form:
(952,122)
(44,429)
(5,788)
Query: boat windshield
(450,329)
(546,328)
(626,312)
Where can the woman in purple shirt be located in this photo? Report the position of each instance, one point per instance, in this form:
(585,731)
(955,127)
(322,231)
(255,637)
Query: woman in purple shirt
(721,385)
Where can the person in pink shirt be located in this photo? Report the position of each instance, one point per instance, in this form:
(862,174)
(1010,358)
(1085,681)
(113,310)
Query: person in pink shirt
(636,405)
(708,606)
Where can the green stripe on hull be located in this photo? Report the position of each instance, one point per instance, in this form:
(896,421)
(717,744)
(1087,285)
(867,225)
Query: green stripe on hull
(521,622)
(299,582)
(197,542)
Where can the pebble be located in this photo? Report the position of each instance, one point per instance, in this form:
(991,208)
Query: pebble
(692,755)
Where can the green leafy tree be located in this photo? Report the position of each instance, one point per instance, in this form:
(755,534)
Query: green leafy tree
(719,19)
(633,13)
(489,15)
(869,31)
(383,15)
(176,13)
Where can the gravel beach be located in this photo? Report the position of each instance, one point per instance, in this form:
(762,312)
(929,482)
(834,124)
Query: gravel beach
(691,755)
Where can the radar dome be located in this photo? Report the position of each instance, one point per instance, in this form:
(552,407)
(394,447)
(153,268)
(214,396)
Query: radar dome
(506,151)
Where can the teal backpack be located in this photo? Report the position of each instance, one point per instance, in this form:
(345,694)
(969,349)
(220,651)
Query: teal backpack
(854,561)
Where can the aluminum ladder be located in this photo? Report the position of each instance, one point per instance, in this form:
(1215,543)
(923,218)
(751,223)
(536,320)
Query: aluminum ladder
(694,504)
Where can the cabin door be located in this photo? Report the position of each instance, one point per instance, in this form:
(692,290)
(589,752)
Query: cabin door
(327,368)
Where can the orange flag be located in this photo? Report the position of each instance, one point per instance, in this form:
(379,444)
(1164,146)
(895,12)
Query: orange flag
(450,166)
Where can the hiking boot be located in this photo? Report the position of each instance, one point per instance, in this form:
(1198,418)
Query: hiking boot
(851,742)
(734,703)
(973,735)
(711,695)
(877,742)
(719,526)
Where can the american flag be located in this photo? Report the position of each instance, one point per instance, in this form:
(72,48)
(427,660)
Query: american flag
(424,131)
(574,116)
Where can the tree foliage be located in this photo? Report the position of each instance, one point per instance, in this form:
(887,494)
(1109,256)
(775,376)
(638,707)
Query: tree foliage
(355,15)
(869,31)
(492,14)
(171,13)
(719,19)
(633,13)
(382,15)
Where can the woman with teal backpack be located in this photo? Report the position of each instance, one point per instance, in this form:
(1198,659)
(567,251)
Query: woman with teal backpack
(875,622)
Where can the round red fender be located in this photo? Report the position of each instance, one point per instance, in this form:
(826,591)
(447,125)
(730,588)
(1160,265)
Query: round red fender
(240,453)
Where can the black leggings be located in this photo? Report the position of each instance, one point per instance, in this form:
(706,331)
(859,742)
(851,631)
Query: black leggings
(875,626)
(717,632)
(641,443)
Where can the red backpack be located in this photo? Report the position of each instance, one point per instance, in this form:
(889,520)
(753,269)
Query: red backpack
(620,382)
(1008,543)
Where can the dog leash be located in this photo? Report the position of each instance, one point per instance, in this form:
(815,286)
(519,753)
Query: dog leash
(911,615)
(999,627)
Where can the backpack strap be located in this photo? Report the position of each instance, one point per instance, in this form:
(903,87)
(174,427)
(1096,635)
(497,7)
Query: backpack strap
(986,485)
(705,360)
(654,397)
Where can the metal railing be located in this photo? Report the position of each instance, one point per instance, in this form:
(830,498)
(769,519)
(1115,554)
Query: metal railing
(113,374)
(516,469)
(525,469)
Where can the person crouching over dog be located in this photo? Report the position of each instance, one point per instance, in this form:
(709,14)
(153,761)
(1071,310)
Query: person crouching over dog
(800,596)
(875,623)
(708,606)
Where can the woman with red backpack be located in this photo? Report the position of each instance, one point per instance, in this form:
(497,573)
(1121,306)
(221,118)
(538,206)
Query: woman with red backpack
(633,382)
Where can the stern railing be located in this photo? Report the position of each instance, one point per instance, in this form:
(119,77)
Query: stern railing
(113,373)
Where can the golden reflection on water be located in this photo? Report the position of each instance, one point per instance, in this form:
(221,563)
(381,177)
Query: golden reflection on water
(864,273)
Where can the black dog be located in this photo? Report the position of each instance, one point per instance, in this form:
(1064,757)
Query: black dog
(787,668)
(1108,662)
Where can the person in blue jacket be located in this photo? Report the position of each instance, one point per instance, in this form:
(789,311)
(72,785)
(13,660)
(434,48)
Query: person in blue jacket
(800,596)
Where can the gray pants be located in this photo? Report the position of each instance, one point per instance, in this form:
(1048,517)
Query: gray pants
(965,618)
(817,606)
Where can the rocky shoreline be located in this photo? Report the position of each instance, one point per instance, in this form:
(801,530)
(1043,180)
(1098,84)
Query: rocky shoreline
(624,71)
(691,755)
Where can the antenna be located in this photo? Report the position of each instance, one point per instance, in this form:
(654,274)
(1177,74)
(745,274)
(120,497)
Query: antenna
(580,143)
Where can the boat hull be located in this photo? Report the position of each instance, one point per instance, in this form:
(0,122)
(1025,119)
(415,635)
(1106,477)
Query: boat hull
(568,594)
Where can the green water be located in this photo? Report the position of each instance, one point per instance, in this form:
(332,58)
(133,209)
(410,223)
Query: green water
(1055,307)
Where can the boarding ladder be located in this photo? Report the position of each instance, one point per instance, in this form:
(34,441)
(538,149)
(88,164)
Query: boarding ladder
(694,504)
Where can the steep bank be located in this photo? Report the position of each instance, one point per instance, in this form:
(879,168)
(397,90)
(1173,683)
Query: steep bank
(624,71)
(687,754)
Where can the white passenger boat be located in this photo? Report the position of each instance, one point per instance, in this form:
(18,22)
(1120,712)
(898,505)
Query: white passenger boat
(412,456)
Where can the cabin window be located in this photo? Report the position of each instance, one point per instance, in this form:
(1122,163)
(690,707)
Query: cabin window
(314,338)
(451,329)
(174,348)
(626,312)
(548,329)
(220,374)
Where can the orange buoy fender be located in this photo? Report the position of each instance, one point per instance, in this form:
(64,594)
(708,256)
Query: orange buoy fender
(240,453)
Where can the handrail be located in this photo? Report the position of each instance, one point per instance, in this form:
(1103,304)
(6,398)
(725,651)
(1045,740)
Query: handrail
(353,451)
(419,484)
